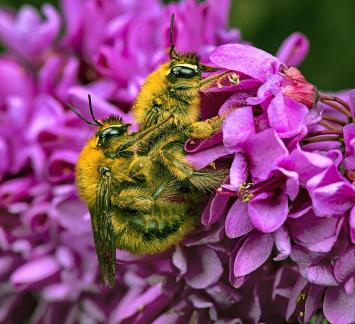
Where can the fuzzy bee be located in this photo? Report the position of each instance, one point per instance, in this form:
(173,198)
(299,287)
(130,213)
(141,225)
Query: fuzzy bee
(141,191)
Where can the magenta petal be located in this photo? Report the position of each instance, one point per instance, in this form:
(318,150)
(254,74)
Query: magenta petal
(320,274)
(283,243)
(253,253)
(258,153)
(35,271)
(286,116)
(268,213)
(296,290)
(331,194)
(237,220)
(351,100)
(204,267)
(237,127)
(312,302)
(246,59)
(238,171)
(344,267)
(339,306)
(294,49)
(179,260)
(214,210)
(352,225)
(203,158)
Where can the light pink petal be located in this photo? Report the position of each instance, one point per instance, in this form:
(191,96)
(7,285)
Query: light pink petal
(321,274)
(294,49)
(35,271)
(238,171)
(204,267)
(283,243)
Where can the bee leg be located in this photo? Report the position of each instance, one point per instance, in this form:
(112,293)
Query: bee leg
(183,171)
(205,128)
(133,198)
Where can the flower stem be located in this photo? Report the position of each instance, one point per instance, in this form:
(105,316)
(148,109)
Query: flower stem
(324,96)
(335,105)
(334,120)
(322,139)
(325,132)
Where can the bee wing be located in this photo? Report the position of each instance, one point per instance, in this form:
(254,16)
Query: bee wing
(103,231)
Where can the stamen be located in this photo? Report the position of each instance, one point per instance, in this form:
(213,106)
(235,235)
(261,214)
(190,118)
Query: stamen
(334,120)
(325,132)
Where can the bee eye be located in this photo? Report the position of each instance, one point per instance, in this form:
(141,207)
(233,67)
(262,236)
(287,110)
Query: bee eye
(110,132)
(179,71)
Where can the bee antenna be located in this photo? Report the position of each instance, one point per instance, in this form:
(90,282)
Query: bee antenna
(92,112)
(79,115)
(173,53)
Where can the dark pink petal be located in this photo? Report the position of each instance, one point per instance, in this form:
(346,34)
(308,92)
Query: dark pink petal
(295,293)
(204,267)
(313,300)
(35,271)
(237,220)
(339,306)
(320,274)
(352,225)
(253,253)
(268,213)
(61,165)
(283,243)
(344,267)
(294,49)
(203,158)
(237,127)
(286,116)
(246,59)
(258,152)
(214,210)
(238,171)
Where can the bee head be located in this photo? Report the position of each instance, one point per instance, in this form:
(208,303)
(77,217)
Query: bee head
(112,128)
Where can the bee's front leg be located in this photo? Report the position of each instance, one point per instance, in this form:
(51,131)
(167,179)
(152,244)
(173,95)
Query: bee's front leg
(205,128)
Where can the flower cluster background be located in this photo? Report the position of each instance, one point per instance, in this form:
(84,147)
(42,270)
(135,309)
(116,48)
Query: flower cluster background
(283,250)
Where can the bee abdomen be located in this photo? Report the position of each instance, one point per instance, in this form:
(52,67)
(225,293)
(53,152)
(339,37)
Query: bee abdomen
(159,224)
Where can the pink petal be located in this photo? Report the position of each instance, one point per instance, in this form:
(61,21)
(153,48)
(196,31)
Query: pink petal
(237,220)
(283,243)
(320,274)
(253,253)
(238,171)
(246,59)
(204,267)
(268,213)
(214,210)
(294,49)
(35,271)
(339,306)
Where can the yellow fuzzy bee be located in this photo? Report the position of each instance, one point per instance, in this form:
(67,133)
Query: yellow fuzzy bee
(141,191)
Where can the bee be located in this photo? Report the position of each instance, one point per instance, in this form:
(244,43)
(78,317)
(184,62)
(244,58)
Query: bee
(141,191)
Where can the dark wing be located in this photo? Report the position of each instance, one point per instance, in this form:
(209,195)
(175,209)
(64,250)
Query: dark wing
(103,230)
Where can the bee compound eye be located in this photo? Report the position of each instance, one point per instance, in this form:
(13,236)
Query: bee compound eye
(180,71)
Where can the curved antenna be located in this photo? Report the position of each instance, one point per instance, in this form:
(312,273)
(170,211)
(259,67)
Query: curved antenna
(79,115)
(92,112)
(173,54)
